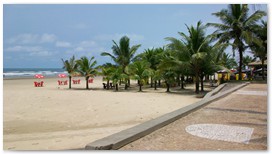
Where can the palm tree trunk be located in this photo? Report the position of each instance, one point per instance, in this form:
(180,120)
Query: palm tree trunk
(151,85)
(197,83)
(140,87)
(202,82)
(159,83)
(263,69)
(155,85)
(70,78)
(168,87)
(116,86)
(108,84)
(182,82)
(87,84)
(240,63)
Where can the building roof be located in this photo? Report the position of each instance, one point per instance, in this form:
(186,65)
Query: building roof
(256,63)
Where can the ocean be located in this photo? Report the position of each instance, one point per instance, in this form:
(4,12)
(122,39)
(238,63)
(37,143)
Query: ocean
(30,72)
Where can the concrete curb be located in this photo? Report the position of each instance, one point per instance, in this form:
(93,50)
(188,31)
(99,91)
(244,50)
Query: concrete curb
(117,140)
(215,91)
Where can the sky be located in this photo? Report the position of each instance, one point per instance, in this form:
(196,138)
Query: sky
(40,35)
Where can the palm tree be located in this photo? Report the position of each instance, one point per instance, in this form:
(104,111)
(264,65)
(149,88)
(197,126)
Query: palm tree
(169,77)
(227,61)
(123,54)
(259,46)
(106,71)
(237,26)
(86,68)
(246,61)
(153,57)
(116,75)
(193,50)
(70,66)
(141,71)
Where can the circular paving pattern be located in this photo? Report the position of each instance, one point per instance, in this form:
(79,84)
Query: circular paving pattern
(221,132)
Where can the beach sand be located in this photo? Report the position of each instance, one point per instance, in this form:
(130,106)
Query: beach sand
(55,118)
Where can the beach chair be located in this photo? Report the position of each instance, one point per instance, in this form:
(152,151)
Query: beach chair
(78,81)
(41,84)
(111,85)
(59,82)
(104,85)
(65,82)
(36,84)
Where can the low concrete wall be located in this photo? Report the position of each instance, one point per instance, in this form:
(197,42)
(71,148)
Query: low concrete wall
(124,137)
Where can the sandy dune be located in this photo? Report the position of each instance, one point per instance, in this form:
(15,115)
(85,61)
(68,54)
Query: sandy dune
(54,118)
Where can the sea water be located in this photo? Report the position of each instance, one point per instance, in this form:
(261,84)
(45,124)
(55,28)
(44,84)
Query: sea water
(30,72)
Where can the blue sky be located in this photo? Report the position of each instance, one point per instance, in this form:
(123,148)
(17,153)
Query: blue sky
(38,36)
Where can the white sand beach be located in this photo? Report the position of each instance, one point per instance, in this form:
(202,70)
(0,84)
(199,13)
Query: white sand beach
(54,117)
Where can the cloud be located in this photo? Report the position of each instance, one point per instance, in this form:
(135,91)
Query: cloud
(30,50)
(48,38)
(63,44)
(87,43)
(19,48)
(23,39)
(117,36)
(42,53)
(32,39)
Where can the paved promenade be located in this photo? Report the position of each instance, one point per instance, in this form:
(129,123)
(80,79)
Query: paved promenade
(235,122)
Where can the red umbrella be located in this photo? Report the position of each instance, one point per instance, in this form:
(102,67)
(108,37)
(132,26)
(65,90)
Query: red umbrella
(39,76)
(62,75)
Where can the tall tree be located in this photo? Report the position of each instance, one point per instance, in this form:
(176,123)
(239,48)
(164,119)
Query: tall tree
(246,60)
(259,45)
(236,26)
(227,61)
(71,67)
(87,68)
(153,57)
(116,75)
(123,54)
(140,71)
(193,48)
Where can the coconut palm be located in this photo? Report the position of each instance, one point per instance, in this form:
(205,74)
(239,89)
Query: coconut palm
(153,57)
(193,49)
(140,71)
(169,77)
(259,46)
(106,71)
(227,61)
(237,26)
(116,75)
(86,68)
(123,54)
(70,66)
(246,60)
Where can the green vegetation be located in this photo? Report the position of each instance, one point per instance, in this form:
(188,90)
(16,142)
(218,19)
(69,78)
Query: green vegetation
(193,57)
(71,67)
(237,26)
(86,68)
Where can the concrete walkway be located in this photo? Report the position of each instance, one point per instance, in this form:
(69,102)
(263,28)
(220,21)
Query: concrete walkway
(235,122)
